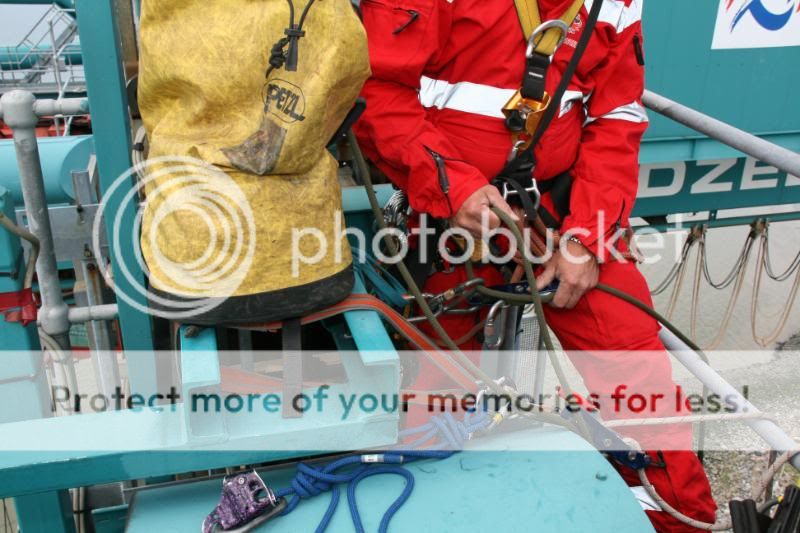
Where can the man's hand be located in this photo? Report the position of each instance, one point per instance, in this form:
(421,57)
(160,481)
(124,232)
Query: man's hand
(472,212)
(577,271)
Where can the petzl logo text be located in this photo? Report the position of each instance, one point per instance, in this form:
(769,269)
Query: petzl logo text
(285,101)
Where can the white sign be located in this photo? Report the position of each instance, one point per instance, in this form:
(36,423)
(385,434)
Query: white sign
(757,24)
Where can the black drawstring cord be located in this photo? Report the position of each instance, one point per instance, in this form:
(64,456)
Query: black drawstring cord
(278,58)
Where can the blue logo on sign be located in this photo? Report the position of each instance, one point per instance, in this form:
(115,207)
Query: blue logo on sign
(764,17)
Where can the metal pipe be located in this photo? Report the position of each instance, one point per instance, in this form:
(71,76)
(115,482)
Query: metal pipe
(48,108)
(26,57)
(81,315)
(771,432)
(772,154)
(18,113)
(65,106)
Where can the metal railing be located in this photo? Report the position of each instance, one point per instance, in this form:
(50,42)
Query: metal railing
(47,59)
(747,143)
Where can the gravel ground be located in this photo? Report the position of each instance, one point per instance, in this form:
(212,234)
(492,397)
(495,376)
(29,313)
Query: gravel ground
(774,385)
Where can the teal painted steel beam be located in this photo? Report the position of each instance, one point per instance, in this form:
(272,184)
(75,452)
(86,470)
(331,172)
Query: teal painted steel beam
(545,481)
(110,519)
(24,384)
(712,222)
(60,156)
(25,57)
(24,392)
(750,88)
(681,186)
(49,512)
(100,42)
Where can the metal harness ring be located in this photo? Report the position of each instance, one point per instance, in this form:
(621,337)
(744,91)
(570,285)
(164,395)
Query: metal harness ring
(550,24)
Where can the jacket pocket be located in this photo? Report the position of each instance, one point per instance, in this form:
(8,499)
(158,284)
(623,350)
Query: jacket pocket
(400,37)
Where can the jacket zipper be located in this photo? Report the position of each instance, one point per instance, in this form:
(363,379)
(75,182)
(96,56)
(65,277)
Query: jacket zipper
(413,16)
(637,48)
(444,182)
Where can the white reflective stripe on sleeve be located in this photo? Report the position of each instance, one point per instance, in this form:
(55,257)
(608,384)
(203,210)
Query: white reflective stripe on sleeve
(568,101)
(464,96)
(616,13)
(633,112)
(644,499)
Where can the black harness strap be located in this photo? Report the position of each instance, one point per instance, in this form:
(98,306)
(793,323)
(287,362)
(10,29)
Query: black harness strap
(520,169)
(533,84)
(559,188)
(523,195)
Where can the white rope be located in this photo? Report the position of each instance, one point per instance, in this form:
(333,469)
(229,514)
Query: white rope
(689,419)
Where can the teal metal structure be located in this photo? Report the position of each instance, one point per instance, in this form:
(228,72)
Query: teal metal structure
(21,372)
(538,490)
(677,164)
(752,89)
(60,157)
(105,82)
(22,376)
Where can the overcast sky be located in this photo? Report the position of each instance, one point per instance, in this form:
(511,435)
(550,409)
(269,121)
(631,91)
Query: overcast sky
(16,22)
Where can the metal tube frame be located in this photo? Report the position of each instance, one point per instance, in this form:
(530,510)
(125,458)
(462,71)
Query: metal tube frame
(21,111)
(768,430)
(772,154)
(81,315)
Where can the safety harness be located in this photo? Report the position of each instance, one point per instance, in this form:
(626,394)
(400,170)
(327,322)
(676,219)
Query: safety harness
(531,111)
(526,109)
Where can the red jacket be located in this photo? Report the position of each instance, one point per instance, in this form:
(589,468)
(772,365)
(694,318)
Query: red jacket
(442,71)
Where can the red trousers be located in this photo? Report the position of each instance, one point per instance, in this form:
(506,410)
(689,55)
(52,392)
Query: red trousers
(616,349)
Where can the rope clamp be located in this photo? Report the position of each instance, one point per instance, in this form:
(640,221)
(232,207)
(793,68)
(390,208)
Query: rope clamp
(523,117)
(246,500)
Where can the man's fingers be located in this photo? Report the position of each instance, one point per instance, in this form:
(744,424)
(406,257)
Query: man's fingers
(496,200)
(494,220)
(575,297)
(546,277)
(564,295)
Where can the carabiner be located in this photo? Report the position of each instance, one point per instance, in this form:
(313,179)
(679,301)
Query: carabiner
(550,24)
(512,155)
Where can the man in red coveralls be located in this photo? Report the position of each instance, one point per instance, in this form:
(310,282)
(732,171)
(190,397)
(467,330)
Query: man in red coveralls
(442,72)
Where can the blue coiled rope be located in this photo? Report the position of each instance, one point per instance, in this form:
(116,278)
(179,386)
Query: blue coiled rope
(313,480)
